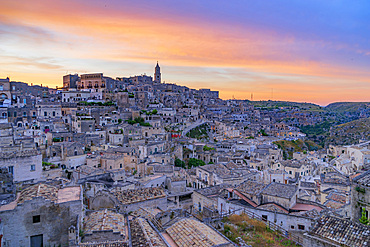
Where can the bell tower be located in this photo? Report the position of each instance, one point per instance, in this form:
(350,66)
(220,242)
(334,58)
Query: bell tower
(157,74)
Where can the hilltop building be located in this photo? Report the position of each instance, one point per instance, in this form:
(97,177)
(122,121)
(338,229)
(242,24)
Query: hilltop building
(157,74)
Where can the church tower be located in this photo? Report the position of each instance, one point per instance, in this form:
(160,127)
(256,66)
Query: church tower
(157,74)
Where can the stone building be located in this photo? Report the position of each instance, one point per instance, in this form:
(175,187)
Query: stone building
(360,196)
(70,81)
(157,74)
(205,200)
(282,194)
(25,165)
(42,216)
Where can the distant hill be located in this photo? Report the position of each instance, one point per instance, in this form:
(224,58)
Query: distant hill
(349,133)
(270,104)
(342,107)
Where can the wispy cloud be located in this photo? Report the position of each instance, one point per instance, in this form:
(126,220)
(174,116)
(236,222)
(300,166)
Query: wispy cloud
(243,46)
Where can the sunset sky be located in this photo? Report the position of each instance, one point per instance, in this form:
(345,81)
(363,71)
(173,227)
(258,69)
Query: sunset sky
(306,51)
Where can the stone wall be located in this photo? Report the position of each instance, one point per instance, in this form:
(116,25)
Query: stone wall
(287,221)
(154,203)
(55,219)
(360,198)
(309,240)
(22,167)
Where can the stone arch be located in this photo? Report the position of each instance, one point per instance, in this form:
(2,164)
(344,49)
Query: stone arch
(3,96)
(102,200)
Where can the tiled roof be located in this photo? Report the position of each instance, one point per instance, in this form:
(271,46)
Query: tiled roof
(105,220)
(138,195)
(292,163)
(273,208)
(280,190)
(250,187)
(105,244)
(15,154)
(308,184)
(313,213)
(190,232)
(37,190)
(341,231)
(151,235)
(363,179)
(213,190)
(338,197)
(137,234)
(333,204)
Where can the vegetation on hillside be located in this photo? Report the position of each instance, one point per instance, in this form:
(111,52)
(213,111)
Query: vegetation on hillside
(206,148)
(349,133)
(289,147)
(199,132)
(242,230)
(270,104)
(108,103)
(192,162)
(138,120)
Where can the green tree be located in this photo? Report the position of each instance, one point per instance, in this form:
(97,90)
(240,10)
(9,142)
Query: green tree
(139,120)
(263,132)
(195,162)
(206,148)
(364,220)
(179,163)
(119,120)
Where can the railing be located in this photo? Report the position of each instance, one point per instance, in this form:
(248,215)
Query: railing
(271,225)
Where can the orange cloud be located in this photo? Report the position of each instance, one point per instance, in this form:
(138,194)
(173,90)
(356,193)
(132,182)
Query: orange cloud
(91,32)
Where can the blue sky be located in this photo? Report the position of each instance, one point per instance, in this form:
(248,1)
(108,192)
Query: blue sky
(307,51)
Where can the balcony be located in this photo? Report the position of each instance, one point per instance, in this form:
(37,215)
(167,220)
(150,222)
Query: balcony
(89,86)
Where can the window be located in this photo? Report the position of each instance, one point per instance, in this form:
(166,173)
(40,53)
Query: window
(291,227)
(301,227)
(45,113)
(24,101)
(1,87)
(53,113)
(110,167)
(290,172)
(120,165)
(36,219)
(33,168)
(264,217)
(11,169)
(15,114)
(34,113)
(24,114)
